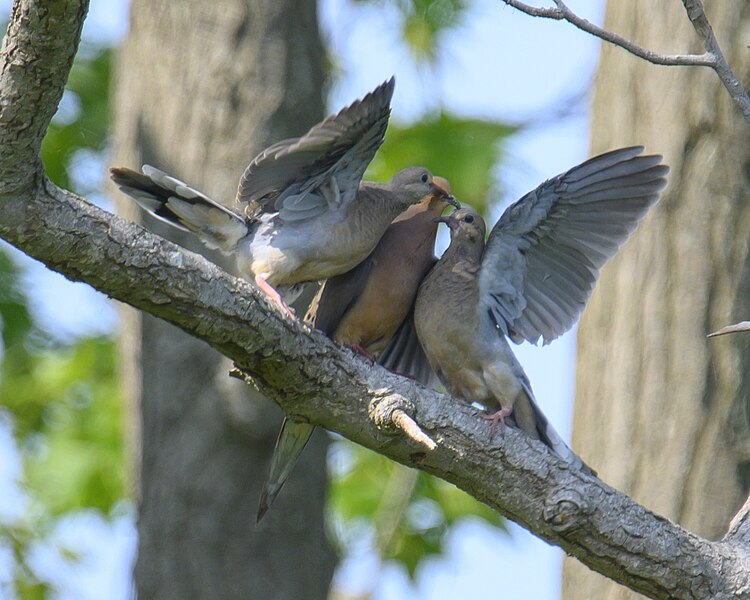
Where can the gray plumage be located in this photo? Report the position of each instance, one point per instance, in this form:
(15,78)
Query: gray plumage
(303,213)
(530,280)
(370,308)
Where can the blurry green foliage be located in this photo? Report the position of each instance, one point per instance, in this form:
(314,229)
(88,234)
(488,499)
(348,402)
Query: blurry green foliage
(63,399)
(424,21)
(407,512)
(83,119)
(68,399)
(464,151)
(67,418)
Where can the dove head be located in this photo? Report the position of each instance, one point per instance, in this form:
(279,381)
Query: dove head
(413,184)
(466,225)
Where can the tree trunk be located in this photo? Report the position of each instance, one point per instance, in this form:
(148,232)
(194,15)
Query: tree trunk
(661,412)
(202,87)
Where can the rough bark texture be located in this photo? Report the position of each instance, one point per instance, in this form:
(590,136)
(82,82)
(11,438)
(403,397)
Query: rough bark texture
(201,87)
(661,412)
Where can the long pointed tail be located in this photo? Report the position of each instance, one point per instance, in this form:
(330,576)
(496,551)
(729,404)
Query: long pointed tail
(176,203)
(529,417)
(292,439)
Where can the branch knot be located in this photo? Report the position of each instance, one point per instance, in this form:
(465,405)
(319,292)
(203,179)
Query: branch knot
(391,414)
(565,509)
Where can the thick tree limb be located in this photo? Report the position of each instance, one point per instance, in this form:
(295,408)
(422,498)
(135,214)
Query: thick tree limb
(32,88)
(713,57)
(312,378)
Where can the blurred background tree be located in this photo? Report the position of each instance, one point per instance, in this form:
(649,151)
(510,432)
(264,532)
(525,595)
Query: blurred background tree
(59,395)
(664,411)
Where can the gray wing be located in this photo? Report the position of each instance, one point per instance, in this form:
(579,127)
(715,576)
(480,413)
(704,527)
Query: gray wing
(543,256)
(404,355)
(302,177)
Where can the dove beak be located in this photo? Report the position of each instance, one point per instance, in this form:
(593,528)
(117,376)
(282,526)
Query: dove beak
(449,220)
(442,189)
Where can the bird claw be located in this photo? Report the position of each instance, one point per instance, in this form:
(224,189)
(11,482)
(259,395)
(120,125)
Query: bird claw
(357,349)
(497,417)
(274,297)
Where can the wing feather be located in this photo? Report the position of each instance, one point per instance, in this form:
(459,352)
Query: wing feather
(543,256)
(322,168)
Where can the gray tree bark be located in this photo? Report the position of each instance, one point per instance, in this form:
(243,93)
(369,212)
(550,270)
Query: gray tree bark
(661,412)
(201,87)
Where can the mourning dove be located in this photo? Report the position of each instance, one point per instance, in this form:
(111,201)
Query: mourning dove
(366,308)
(302,212)
(530,280)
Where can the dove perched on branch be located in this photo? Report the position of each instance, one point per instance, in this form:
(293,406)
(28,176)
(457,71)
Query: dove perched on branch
(370,310)
(302,212)
(531,279)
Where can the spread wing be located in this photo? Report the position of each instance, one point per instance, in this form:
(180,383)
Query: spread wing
(303,177)
(543,256)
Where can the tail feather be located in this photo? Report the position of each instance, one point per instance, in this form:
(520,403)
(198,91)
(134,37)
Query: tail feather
(529,417)
(177,204)
(293,438)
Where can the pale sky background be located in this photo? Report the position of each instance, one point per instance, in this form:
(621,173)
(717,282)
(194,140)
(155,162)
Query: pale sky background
(498,64)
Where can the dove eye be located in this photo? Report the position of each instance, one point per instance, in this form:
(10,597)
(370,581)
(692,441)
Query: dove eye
(469,219)
(425,177)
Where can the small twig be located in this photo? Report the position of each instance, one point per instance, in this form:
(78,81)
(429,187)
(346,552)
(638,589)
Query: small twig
(391,412)
(712,58)
(410,427)
(563,13)
(736,328)
(702,26)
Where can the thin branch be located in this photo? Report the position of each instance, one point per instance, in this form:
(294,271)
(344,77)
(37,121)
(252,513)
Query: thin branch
(698,18)
(393,413)
(742,326)
(32,89)
(739,528)
(712,58)
(563,13)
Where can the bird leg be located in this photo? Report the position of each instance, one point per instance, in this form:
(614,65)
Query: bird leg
(498,417)
(357,349)
(273,296)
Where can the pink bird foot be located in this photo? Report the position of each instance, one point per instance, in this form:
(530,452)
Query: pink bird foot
(357,349)
(274,297)
(498,417)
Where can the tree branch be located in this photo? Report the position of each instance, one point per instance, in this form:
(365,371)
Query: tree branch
(712,58)
(312,378)
(32,88)
(742,326)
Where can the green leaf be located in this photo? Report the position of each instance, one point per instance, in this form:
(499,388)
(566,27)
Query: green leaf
(409,528)
(84,125)
(15,320)
(464,151)
(68,408)
(423,23)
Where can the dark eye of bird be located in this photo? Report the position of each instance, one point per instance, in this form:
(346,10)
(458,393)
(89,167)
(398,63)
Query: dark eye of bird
(469,219)
(425,177)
